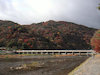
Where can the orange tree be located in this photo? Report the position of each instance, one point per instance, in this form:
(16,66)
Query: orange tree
(95,41)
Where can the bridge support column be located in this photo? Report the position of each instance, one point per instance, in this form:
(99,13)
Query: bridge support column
(52,53)
(87,54)
(36,52)
(22,52)
(27,52)
(19,53)
(72,53)
(58,53)
(79,53)
(31,52)
(41,52)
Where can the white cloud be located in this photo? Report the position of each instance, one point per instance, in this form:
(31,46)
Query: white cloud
(29,11)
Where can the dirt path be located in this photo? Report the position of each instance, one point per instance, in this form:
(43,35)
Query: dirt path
(90,67)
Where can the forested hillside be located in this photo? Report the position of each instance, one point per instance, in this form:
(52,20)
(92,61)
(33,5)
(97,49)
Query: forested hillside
(45,35)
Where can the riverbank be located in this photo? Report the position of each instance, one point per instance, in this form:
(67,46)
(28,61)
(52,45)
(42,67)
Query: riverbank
(89,67)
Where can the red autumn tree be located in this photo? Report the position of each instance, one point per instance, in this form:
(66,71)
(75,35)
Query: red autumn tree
(95,41)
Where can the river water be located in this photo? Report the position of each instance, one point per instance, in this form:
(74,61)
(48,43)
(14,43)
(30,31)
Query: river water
(54,65)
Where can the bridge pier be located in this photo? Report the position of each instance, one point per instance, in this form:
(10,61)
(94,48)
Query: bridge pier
(80,53)
(87,54)
(72,53)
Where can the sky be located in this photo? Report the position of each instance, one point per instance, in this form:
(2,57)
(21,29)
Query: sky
(83,12)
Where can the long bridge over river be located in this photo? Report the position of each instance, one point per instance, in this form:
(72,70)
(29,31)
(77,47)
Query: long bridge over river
(60,52)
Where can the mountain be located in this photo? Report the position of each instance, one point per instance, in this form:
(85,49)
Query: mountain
(45,35)
(6,23)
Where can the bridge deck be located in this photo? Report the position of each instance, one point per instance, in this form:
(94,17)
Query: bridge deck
(55,51)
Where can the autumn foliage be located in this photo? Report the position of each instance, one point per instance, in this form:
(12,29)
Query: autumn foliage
(45,35)
(95,41)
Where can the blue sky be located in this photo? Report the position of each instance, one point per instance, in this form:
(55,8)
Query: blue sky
(32,11)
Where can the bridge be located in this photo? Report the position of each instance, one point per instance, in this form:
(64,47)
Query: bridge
(60,52)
